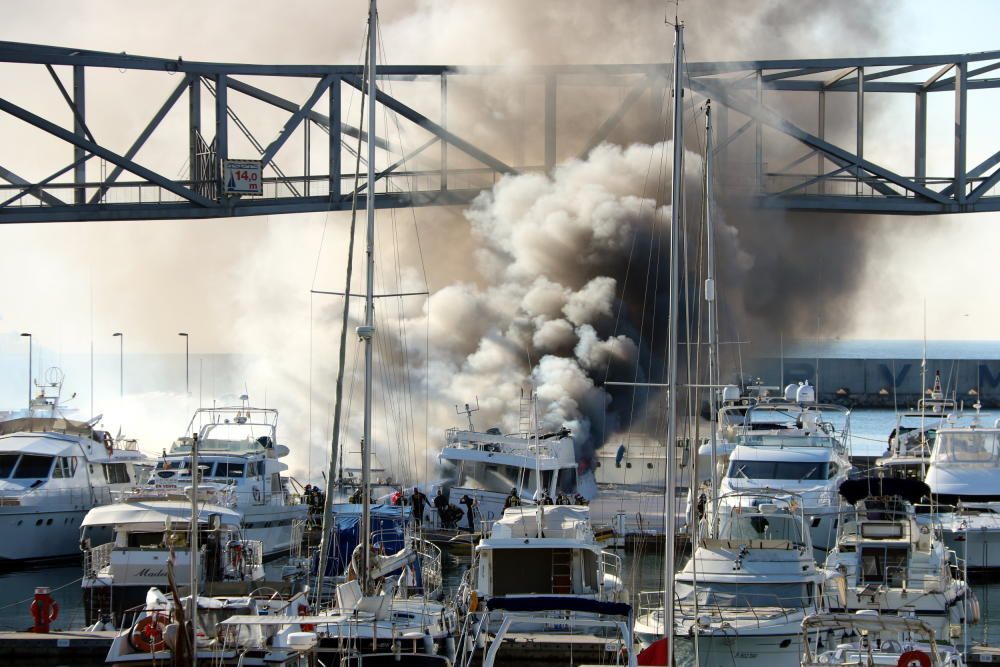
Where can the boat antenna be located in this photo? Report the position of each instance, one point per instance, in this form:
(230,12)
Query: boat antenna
(337,452)
(468,412)
(677,183)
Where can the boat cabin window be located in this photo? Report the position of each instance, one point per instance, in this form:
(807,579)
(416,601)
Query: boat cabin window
(145,540)
(223,469)
(65,467)
(753,526)
(540,571)
(33,466)
(794,470)
(883,565)
(731,594)
(7,463)
(968,448)
(116,473)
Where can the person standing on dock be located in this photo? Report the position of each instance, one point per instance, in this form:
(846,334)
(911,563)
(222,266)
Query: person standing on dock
(419,501)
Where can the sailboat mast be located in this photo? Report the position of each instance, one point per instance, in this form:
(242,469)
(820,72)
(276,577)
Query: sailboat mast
(713,371)
(369,328)
(193,611)
(675,196)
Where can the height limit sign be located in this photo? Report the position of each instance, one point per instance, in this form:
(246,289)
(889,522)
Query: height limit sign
(242,177)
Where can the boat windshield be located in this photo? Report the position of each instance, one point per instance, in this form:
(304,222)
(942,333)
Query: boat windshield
(742,525)
(794,470)
(781,441)
(732,594)
(969,448)
(25,466)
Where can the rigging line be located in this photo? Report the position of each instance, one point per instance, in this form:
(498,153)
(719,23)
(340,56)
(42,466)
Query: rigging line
(403,337)
(423,267)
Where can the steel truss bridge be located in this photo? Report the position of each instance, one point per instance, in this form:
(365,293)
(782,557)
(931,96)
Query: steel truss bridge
(808,116)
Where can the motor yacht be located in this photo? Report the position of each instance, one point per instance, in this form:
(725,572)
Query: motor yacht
(799,447)
(893,563)
(962,478)
(151,529)
(53,470)
(742,596)
(238,448)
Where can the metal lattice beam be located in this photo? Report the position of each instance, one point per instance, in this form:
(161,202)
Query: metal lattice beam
(755,93)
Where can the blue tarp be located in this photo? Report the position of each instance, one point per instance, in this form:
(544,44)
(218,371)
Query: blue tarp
(388,522)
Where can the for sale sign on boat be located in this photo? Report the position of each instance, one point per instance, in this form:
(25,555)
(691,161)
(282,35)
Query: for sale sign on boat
(242,177)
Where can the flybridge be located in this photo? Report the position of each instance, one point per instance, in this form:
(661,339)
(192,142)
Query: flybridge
(764,158)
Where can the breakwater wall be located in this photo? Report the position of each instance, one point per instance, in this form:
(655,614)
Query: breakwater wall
(883,382)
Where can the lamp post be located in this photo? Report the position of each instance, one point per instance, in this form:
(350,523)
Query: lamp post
(187,358)
(28,336)
(121,362)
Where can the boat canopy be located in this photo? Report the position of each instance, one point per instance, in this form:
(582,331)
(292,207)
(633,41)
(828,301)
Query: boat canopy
(558,521)
(967,447)
(910,490)
(46,425)
(156,512)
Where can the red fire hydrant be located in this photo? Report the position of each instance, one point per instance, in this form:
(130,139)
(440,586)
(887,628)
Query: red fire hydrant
(44,609)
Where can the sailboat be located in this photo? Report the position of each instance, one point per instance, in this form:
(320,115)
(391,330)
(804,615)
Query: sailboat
(373,612)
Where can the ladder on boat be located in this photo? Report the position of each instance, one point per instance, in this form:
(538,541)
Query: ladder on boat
(562,571)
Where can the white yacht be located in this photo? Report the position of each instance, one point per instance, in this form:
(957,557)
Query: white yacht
(53,470)
(487,465)
(238,448)
(151,528)
(912,439)
(742,596)
(533,553)
(879,640)
(893,563)
(962,477)
(798,447)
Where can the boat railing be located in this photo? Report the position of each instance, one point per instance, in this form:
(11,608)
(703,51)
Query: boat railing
(528,448)
(611,564)
(96,559)
(218,494)
(651,602)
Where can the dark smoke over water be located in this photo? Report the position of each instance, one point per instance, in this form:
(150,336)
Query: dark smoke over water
(569,287)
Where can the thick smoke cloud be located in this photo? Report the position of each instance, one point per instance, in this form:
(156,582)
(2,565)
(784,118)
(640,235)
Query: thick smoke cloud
(532,282)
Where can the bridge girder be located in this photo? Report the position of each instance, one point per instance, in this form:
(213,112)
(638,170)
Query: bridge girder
(763,97)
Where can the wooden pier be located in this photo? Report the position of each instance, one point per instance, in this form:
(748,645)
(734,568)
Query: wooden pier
(55,646)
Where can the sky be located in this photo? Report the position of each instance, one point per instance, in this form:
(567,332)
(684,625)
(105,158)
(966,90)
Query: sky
(242,286)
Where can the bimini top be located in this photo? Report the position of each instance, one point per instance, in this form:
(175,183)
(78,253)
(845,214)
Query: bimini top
(910,490)
(156,512)
(557,522)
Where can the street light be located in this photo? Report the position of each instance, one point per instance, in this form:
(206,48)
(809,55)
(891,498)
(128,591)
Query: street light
(28,336)
(187,358)
(121,362)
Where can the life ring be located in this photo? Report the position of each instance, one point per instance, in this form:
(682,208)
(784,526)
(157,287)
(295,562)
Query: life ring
(911,658)
(256,494)
(44,613)
(146,635)
(304,611)
(473,602)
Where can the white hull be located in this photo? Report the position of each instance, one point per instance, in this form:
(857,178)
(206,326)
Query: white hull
(822,523)
(734,650)
(37,533)
(272,526)
(979,546)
